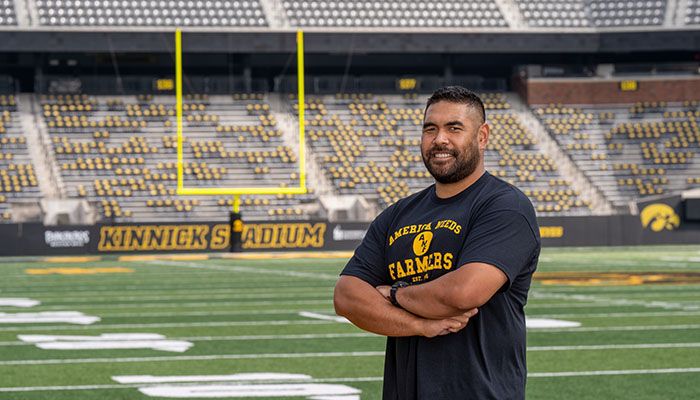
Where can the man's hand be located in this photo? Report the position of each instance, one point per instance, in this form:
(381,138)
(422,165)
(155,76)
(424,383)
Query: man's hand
(439,327)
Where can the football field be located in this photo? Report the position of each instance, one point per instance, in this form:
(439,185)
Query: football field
(605,323)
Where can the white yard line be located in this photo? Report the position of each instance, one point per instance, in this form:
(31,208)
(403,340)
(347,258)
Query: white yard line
(251,269)
(566,374)
(210,313)
(184,305)
(317,355)
(616,346)
(225,296)
(613,372)
(120,293)
(313,336)
(131,386)
(619,328)
(193,358)
(618,302)
(622,314)
(165,325)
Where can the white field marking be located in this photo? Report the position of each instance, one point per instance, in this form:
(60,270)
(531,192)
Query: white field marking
(613,372)
(324,317)
(624,314)
(71,301)
(375,379)
(197,304)
(238,291)
(252,270)
(531,306)
(244,377)
(166,325)
(621,328)
(311,391)
(545,323)
(193,358)
(129,386)
(207,313)
(618,302)
(302,336)
(70,317)
(96,288)
(241,385)
(685,259)
(18,302)
(107,341)
(282,337)
(616,346)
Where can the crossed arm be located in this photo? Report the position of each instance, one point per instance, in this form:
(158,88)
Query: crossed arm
(435,308)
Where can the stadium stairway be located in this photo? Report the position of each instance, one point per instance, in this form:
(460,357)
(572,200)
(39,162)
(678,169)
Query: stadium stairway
(511,13)
(289,125)
(675,11)
(599,203)
(22,13)
(274,11)
(48,185)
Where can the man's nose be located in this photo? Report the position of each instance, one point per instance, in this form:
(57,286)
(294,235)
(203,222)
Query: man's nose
(442,137)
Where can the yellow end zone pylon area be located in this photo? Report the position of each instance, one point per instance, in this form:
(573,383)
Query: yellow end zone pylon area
(182,190)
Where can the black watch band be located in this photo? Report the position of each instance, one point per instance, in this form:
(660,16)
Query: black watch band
(392,293)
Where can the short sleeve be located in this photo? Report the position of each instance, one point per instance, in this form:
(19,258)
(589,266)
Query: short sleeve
(368,261)
(501,238)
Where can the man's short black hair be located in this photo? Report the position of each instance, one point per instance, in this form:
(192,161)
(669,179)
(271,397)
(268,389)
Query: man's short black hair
(458,94)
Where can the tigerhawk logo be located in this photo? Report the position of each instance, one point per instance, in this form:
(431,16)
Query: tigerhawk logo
(659,217)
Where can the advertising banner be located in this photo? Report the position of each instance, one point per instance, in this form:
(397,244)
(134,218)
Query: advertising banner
(659,222)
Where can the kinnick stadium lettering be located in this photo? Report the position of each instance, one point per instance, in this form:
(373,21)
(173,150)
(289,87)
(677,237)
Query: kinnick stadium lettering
(202,237)
(163,237)
(283,236)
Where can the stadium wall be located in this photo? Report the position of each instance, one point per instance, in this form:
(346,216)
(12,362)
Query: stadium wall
(608,90)
(655,226)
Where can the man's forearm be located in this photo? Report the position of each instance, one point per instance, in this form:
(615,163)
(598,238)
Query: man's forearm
(367,309)
(468,287)
(429,300)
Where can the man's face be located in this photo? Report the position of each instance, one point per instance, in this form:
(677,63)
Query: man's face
(451,144)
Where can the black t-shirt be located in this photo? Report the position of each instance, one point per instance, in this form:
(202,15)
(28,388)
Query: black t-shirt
(422,237)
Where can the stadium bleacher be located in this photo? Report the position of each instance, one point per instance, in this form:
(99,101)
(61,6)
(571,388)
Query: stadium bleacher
(627,12)
(369,145)
(629,151)
(554,13)
(18,181)
(7,13)
(151,13)
(403,13)
(120,152)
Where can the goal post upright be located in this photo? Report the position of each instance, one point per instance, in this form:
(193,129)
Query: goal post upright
(237,191)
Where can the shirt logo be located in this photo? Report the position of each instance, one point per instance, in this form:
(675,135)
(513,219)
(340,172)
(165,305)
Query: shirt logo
(421,243)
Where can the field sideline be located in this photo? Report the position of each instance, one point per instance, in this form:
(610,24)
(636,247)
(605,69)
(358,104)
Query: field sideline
(209,319)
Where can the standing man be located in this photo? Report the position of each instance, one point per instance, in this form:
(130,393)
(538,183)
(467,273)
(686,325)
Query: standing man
(429,260)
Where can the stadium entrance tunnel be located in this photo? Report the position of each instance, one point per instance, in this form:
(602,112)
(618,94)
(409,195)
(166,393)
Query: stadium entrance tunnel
(617,278)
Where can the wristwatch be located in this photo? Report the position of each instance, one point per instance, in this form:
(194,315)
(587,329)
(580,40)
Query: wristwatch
(392,293)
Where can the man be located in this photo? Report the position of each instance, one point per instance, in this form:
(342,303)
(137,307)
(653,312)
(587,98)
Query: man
(469,241)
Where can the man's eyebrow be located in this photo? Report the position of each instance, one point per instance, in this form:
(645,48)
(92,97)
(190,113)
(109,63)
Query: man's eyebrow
(454,123)
(429,125)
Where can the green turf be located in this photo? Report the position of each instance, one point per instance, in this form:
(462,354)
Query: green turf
(243,316)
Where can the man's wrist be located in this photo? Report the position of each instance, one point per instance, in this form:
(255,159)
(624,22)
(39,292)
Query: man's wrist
(394,291)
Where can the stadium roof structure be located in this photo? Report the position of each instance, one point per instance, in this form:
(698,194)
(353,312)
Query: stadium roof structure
(340,41)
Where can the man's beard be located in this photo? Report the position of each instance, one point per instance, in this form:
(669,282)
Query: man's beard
(465,163)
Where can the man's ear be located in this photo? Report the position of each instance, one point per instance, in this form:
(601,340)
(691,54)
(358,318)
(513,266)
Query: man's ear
(483,135)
